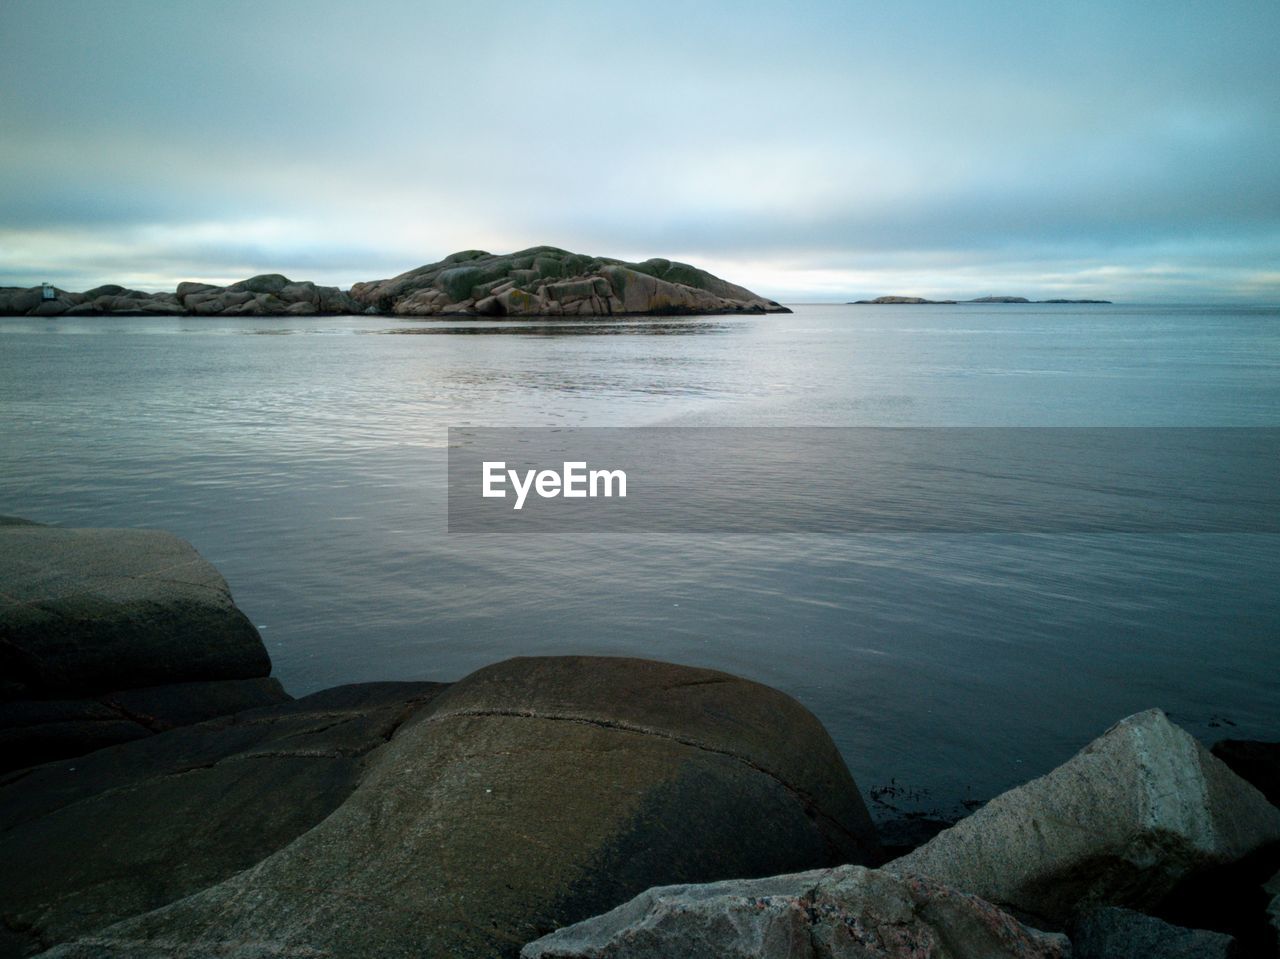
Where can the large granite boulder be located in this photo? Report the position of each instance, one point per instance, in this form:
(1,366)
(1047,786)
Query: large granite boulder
(845,913)
(531,795)
(546,281)
(86,610)
(112,635)
(1137,810)
(93,840)
(1113,933)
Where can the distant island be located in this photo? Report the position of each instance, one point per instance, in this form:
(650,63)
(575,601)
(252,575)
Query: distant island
(541,281)
(917,300)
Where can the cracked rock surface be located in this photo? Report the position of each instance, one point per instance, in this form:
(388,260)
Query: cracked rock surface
(530,795)
(845,913)
(92,840)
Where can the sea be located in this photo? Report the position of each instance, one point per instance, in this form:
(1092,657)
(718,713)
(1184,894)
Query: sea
(305,457)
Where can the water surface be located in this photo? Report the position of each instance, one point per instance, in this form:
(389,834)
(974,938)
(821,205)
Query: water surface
(304,457)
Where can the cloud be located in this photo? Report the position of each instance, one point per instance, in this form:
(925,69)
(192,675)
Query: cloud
(1041,142)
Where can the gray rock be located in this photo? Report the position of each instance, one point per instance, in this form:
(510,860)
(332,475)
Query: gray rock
(1119,824)
(38,731)
(530,795)
(89,841)
(55,307)
(1124,934)
(18,300)
(265,283)
(92,610)
(845,913)
(186,289)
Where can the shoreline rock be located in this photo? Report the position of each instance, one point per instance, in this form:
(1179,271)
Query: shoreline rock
(112,635)
(1122,823)
(845,913)
(449,820)
(508,809)
(541,281)
(528,796)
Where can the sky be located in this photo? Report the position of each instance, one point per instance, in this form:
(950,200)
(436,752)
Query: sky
(810,150)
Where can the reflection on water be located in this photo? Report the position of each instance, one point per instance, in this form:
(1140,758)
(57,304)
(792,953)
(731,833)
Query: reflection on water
(584,327)
(310,469)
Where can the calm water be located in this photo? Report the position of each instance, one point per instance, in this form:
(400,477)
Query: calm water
(304,458)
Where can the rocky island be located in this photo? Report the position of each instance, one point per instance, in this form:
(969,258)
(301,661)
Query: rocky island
(541,281)
(917,301)
(901,301)
(164,797)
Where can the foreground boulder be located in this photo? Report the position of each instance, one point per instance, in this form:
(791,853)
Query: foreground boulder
(1124,934)
(1119,824)
(546,281)
(844,913)
(113,635)
(90,841)
(528,796)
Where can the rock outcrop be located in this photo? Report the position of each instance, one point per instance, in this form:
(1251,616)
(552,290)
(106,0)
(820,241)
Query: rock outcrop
(267,295)
(1124,934)
(844,913)
(528,796)
(93,840)
(902,301)
(546,281)
(1119,824)
(113,635)
(542,281)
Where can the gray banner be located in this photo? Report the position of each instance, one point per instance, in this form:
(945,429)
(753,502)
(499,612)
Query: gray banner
(864,479)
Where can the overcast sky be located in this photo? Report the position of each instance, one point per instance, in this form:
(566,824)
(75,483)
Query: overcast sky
(809,150)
